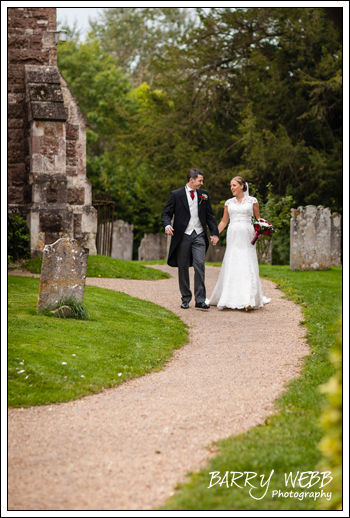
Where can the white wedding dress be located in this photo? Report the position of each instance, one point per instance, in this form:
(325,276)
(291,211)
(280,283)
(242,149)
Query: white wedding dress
(238,285)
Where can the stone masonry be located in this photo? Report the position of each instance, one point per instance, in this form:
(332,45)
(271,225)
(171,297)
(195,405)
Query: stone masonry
(47,181)
(29,43)
(315,238)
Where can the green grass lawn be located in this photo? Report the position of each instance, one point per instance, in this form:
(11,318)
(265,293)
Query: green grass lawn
(124,335)
(107,267)
(103,266)
(287,441)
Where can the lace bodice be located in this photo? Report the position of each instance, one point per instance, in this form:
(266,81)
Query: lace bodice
(242,211)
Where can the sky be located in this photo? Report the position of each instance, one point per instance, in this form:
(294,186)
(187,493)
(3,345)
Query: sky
(80,14)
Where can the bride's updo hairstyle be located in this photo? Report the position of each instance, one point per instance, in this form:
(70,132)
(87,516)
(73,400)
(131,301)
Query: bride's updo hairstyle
(241,181)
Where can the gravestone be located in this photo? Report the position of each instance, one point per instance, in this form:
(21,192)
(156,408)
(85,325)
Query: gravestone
(122,240)
(315,238)
(63,273)
(153,247)
(215,253)
(336,239)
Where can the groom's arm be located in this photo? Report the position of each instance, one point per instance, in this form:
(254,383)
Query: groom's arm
(211,220)
(168,211)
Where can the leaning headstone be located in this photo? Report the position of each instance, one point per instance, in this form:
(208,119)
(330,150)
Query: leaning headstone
(310,238)
(122,241)
(153,247)
(63,273)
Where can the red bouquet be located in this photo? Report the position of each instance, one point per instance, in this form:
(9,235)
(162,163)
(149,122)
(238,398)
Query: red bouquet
(261,226)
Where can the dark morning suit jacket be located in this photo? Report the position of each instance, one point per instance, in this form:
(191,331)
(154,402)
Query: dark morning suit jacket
(178,206)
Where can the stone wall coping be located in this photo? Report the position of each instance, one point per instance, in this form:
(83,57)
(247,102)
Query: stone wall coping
(65,85)
(41,74)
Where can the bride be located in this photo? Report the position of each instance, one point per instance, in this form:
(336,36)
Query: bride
(238,285)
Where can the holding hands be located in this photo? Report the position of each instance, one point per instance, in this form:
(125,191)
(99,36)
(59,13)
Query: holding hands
(169,230)
(214,240)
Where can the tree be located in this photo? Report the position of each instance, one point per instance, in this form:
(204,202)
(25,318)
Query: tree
(106,98)
(254,90)
(134,34)
(246,91)
(101,88)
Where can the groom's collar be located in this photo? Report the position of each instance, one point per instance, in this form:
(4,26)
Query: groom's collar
(189,188)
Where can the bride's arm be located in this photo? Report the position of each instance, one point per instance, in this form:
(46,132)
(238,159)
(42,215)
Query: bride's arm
(256,210)
(224,220)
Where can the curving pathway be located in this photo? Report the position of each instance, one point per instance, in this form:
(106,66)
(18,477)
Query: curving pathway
(127,447)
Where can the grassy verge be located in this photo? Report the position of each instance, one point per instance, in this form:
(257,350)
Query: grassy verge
(161,261)
(286,442)
(124,336)
(107,267)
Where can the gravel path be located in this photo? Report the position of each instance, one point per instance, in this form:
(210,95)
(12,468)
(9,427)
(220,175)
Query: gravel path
(127,447)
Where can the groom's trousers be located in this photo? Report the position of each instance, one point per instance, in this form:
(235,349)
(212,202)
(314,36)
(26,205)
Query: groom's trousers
(192,245)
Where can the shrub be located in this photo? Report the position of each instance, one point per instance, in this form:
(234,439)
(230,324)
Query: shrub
(331,421)
(276,211)
(18,238)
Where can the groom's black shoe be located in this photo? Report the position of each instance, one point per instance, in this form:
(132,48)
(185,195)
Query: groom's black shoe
(185,305)
(202,305)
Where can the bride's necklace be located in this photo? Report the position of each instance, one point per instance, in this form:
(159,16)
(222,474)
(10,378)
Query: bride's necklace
(240,199)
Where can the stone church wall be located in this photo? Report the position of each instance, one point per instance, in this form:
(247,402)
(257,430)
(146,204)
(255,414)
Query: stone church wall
(46,137)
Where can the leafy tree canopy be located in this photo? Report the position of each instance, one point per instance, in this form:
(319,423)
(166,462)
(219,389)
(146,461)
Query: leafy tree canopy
(134,34)
(250,91)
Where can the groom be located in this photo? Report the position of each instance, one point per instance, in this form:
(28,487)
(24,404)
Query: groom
(192,210)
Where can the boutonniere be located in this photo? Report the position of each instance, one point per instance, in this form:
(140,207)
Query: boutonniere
(203,198)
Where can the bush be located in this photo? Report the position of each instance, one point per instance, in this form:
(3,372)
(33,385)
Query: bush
(276,211)
(33,265)
(18,238)
(281,246)
(331,421)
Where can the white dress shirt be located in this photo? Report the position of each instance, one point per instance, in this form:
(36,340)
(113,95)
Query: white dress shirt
(194,223)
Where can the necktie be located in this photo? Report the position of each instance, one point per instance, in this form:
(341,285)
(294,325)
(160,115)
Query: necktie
(192,195)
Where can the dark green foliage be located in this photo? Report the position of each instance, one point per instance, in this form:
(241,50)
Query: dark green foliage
(17,238)
(249,90)
(281,246)
(33,265)
(276,211)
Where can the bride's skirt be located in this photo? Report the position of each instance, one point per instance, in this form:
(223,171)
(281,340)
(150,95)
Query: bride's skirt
(238,285)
